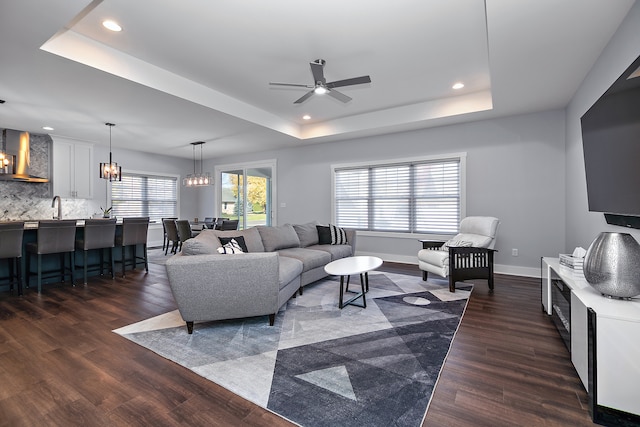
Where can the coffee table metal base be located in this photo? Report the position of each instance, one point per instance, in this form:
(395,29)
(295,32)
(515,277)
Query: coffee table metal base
(346,267)
(364,284)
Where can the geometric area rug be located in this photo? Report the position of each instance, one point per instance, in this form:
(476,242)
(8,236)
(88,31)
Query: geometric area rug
(322,366)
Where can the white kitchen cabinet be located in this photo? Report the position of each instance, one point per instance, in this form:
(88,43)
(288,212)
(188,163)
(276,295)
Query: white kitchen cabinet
(72,166)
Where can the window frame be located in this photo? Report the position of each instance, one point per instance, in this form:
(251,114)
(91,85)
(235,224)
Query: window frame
(244,166)
(461,157)
(148,174)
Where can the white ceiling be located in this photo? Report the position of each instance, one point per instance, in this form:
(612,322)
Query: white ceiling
(198,70)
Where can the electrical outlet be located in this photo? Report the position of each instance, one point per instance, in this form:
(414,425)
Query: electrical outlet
(514,252)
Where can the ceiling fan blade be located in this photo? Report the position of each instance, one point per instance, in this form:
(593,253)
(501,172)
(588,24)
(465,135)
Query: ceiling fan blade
(290,84)
(317,69)
(338,95)
(303,97)
(349,82)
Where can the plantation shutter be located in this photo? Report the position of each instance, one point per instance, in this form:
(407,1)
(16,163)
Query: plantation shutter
(420,197)
(145,195)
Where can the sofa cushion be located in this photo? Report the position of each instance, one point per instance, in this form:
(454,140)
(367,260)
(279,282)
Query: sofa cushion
(281,237)
(336,251)
(203,244)
(238,239)
(251,236)
(307,233)
(310,258)
(289,269)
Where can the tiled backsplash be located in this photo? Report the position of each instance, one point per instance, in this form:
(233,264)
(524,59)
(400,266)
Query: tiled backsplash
(19,206)
(32,201)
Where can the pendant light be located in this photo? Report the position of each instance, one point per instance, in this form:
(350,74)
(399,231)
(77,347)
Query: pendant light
(111,170)
(6,162)
(197,179)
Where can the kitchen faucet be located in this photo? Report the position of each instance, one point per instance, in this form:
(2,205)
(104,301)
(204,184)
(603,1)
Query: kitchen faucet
(53,204)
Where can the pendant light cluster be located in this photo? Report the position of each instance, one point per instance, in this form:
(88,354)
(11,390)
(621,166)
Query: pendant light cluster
(197,179)
(110,171)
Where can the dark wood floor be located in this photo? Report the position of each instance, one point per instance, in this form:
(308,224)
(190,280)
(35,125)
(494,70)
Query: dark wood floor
(60,364)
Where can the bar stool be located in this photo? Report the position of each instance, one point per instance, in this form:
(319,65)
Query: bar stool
(54,237)
(98,234)
(134,232)
(11,249)
(172,235)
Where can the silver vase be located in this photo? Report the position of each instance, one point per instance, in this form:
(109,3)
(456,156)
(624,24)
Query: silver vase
(612,265)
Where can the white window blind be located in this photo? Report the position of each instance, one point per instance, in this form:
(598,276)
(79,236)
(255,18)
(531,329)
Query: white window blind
(145,195)
(408,197)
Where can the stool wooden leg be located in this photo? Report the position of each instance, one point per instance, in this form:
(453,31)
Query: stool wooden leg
(113,265)
(72,255)
(39,273)
(84,256)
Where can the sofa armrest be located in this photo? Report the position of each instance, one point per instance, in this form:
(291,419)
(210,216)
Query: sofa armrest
(351,239)
(214,287)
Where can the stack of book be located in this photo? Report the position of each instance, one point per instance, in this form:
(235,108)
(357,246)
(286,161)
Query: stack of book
(574,263)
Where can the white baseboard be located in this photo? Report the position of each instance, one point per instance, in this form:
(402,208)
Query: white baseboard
(512,270)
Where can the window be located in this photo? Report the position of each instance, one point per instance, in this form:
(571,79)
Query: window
(245,192)
(421,196)
(145,195)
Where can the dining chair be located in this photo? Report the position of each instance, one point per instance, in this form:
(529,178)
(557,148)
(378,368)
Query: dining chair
(184,231)
(172,235)
(165,240)
(229,224)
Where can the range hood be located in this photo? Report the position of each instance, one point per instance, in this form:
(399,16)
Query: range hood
(15,145)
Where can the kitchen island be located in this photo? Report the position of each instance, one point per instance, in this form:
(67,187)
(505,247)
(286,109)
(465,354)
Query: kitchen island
(51,262)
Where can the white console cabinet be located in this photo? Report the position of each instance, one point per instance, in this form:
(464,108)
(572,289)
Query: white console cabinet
(72,166)
(604,342)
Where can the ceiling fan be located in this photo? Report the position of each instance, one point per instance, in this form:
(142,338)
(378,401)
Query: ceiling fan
(321,86)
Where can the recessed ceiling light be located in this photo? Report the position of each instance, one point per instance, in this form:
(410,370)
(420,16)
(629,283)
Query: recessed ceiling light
(458,85)
(47,128)
(111,25)
(306,117)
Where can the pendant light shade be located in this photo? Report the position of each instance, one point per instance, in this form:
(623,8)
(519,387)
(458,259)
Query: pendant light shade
(110,171)
(195,179)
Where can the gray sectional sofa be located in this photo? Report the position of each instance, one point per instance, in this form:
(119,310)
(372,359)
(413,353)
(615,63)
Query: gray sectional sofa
(278,262)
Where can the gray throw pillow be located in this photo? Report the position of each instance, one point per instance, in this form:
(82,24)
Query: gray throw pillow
(307,233)
(203,244)
(282,237)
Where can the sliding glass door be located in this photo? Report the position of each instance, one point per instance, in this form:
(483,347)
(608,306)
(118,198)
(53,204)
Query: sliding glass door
(245,193)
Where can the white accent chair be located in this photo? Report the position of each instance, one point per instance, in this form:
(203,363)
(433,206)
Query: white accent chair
(468,255)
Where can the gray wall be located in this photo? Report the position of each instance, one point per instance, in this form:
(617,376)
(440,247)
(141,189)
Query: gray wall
(583,226)
(515,171)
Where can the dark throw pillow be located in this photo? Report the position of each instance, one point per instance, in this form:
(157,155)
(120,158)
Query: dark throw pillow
(331,235)
(324,235)
(238,239)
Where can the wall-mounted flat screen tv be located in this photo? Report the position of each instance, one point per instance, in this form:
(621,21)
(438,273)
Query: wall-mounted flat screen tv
(611,143)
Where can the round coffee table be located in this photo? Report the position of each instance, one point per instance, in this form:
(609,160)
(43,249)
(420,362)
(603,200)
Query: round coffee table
(353,265)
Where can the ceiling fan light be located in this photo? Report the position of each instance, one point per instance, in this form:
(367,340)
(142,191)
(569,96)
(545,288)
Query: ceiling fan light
(320,90)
